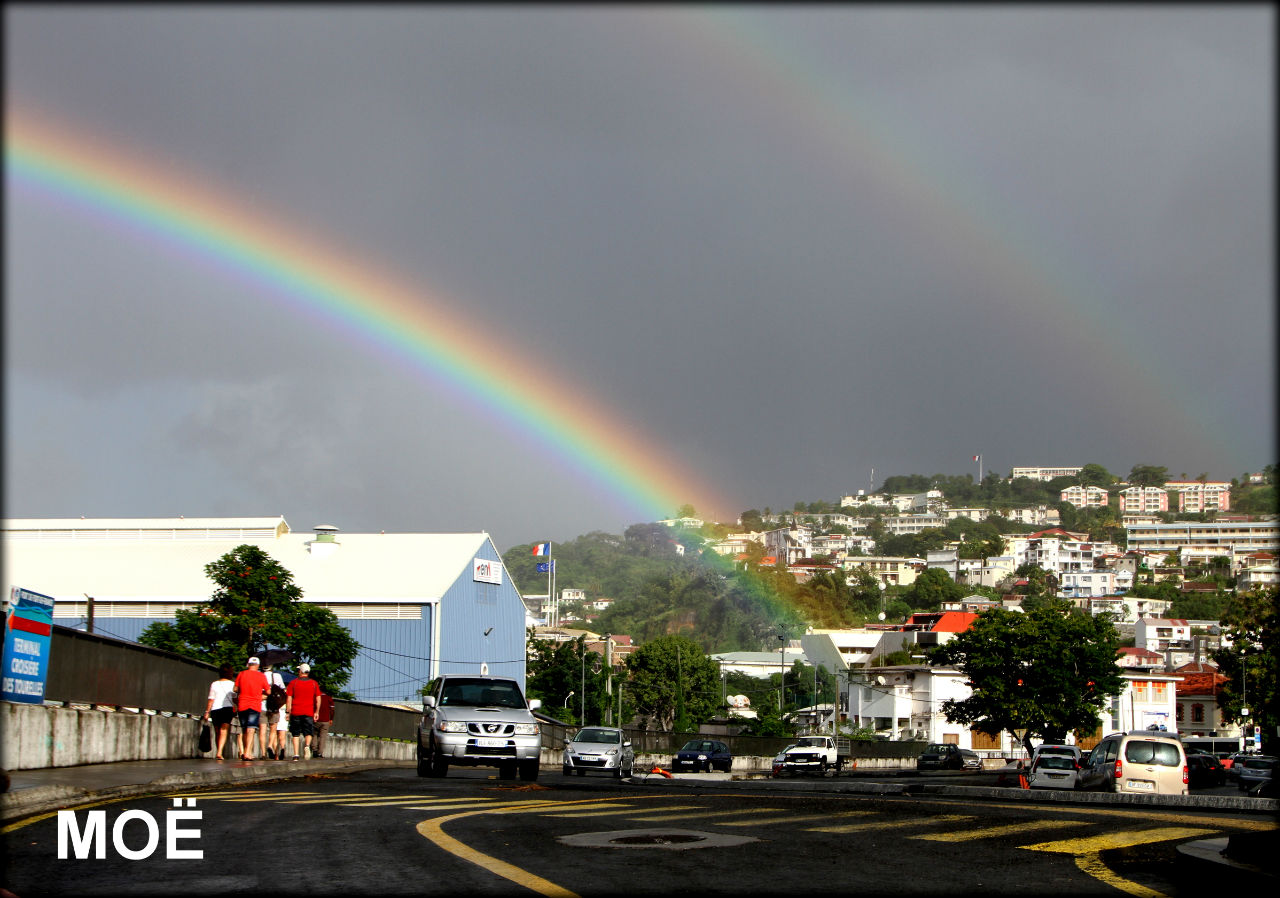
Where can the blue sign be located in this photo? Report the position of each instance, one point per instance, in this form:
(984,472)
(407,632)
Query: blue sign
(28,628)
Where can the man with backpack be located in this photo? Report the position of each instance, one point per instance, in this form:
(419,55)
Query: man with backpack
(271,735)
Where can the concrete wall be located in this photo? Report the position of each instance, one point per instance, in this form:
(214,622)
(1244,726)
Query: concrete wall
(41,736)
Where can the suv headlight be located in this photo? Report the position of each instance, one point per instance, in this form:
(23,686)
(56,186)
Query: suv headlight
(527,729)
(451,726)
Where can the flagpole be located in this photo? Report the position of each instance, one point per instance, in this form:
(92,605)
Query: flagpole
(551,596)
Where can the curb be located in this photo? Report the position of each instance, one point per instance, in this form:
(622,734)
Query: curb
(30,802)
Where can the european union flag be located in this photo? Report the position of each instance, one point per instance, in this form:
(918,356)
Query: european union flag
(546,567)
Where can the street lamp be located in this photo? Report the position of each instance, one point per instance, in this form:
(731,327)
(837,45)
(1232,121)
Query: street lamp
(567,697)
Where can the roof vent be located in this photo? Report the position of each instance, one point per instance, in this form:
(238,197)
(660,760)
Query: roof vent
(326,540)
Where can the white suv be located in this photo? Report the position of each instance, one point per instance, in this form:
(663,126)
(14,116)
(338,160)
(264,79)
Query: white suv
(478,722)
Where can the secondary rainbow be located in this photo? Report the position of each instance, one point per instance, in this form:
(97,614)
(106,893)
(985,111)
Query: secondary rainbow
(308,274)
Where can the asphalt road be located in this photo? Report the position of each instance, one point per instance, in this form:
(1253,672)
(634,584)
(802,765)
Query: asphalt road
(388,832)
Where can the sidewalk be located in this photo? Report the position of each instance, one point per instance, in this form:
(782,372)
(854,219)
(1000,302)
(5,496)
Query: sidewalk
(42,791)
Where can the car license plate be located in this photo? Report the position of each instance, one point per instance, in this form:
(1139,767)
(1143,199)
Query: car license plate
(490,743)
(1141,786)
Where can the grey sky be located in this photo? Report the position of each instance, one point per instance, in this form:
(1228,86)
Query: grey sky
(787,245)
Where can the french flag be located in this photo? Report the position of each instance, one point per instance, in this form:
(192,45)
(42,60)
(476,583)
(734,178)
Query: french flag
(542,549)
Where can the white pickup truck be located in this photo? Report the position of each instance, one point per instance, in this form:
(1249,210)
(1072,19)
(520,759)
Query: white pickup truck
(812,754)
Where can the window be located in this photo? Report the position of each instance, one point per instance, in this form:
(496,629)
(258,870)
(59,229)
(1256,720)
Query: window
(1179,714)
(1197,713)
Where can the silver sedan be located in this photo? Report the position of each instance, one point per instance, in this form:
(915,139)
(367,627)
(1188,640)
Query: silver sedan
(599,748)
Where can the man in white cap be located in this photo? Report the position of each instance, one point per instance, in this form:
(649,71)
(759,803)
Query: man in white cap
(251,687)
(302,704)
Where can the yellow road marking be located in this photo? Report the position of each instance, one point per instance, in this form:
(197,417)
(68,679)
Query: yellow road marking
(662,818)
(1103,841)
(770,821)
(1088,853)
(895,824)
(310,799)
(993,832)
(432,830)
(1156,814)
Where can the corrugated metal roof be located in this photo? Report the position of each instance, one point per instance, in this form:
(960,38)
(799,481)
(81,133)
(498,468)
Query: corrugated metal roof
(365,567)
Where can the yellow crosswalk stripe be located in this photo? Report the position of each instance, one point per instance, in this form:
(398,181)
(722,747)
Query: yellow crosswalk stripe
(310,798)
(889,824)
(783,818)
(1104,841)
(996,832)
(609,810)
(662,818)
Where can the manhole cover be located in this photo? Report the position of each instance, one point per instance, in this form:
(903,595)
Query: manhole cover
(657,839)
(669,839)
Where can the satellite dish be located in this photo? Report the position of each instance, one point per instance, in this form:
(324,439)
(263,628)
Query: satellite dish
(484,669)
(879,681)
(881,615)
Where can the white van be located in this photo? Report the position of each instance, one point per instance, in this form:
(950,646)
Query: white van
(1139,761)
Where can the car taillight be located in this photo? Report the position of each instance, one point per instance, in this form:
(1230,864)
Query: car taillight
(1119,768)
(1184,774)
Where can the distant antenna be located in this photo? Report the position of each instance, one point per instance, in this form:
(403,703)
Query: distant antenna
(872,483)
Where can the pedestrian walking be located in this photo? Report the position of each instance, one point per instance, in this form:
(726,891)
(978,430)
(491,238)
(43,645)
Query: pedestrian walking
(269,716)
(219,709)
(251,688)
(302,702)
(324,720)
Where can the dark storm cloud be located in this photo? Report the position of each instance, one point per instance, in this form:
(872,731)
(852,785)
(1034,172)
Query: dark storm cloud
(790,246)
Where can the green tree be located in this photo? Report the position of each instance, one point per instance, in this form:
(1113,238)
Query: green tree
(1251,663)
(931,589)
(671,672)
(1042,673)
(1148,475)
(1096,475)
(257,605)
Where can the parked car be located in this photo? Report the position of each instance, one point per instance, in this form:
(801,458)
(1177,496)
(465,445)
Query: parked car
(599,748)
(1048,748)
(1225,759)
(944,756)
(1237,764)
(478,722)
(1012,773)
(1255,771)
(703,754)
(1137,761)
(1053,771)
(1204,771)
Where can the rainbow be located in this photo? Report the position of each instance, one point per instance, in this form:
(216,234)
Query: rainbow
(317,280)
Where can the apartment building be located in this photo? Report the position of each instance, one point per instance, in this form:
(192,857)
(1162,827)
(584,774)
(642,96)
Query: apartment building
(1045,474)
(1090,584)
(913,523)
(1233,539)
(1138,500)
(1039,516)
(1085,496)
(1195,497)
(889,570)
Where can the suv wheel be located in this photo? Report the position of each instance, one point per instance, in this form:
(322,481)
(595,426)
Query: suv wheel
(529,770)
(438,764)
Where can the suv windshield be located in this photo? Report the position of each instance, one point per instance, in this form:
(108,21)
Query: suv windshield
(481,693)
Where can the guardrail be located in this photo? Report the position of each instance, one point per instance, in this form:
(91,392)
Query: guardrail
(94,670)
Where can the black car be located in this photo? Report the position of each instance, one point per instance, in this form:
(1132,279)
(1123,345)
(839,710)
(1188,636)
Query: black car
(703,754)
(940,756)
(1204,771)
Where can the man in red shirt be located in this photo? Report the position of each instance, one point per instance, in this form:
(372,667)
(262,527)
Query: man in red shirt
(302,704)
(251,686)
